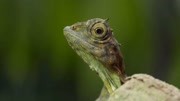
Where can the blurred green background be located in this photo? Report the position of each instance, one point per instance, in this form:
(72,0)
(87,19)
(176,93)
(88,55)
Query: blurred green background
(36,63)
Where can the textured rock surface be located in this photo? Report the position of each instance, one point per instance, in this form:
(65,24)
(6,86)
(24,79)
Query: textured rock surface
(142,87)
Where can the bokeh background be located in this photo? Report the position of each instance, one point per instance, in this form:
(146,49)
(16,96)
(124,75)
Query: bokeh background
(36,63)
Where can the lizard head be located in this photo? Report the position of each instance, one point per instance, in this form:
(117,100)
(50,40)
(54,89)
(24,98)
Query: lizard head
(93,40)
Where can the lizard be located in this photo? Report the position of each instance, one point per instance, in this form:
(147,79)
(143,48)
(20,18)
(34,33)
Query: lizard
(94,41)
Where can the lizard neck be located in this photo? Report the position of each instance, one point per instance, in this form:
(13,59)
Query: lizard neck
(111,80)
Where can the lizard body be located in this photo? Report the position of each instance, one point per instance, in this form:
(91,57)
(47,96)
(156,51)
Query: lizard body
(93,40)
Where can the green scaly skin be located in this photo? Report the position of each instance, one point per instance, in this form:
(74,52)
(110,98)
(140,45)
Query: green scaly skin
(93,40)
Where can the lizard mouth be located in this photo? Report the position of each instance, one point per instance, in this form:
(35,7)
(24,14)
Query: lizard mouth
(75,39)
(71,35)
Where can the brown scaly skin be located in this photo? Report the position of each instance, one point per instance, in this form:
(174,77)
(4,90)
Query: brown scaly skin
(93,40)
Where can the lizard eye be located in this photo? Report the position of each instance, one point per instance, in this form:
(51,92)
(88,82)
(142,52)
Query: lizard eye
(99,30)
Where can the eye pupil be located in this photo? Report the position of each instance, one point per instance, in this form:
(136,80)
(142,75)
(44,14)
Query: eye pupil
(99,31)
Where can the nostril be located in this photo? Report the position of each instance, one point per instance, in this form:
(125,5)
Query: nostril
(73,27)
